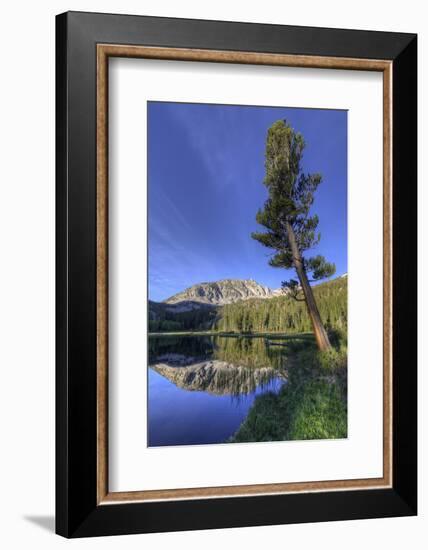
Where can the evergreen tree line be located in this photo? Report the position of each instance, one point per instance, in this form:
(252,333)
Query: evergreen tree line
(278,314)
(169,321)
(284,314)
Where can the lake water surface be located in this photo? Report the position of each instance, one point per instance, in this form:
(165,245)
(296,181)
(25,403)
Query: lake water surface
(200,388)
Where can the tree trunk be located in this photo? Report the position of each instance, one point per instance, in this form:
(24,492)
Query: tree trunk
(320,333)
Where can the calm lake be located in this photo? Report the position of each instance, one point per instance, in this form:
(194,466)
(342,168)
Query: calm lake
(200,388)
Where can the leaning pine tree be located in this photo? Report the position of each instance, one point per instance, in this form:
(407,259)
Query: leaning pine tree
(290,229)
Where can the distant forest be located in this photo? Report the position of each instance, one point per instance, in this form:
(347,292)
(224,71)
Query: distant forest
(278,314)
(284,314)
(163,320)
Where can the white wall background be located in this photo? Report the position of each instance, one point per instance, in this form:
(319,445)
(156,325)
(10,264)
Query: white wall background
(27,271)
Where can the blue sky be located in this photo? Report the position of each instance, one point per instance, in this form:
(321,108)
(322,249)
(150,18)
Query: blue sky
(205,174)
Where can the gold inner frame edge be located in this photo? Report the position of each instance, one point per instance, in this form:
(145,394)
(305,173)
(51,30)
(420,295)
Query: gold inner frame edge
(104,52)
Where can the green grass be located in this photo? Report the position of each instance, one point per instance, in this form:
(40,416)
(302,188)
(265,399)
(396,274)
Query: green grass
(313,402)
(312,405)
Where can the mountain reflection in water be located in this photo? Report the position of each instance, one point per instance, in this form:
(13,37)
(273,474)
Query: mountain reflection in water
(202,387)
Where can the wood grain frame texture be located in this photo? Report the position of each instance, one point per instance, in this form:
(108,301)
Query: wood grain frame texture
(104,52)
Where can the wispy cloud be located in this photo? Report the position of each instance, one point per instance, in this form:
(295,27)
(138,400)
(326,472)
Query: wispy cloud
(217,144)
(206,187)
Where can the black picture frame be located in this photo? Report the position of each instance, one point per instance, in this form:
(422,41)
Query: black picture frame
(77,512)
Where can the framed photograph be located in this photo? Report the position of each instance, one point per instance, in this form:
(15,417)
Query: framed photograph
(236,274)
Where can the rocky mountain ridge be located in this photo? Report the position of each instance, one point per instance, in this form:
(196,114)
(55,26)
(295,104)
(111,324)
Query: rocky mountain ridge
(226,291)
(216,377)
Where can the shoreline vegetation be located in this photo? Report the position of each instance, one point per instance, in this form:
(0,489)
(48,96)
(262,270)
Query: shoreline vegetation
(313,403)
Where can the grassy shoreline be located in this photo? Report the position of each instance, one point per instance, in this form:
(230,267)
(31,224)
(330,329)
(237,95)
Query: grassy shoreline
(312,405)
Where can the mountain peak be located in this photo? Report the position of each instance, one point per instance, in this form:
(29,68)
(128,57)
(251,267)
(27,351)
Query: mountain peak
(225,291)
